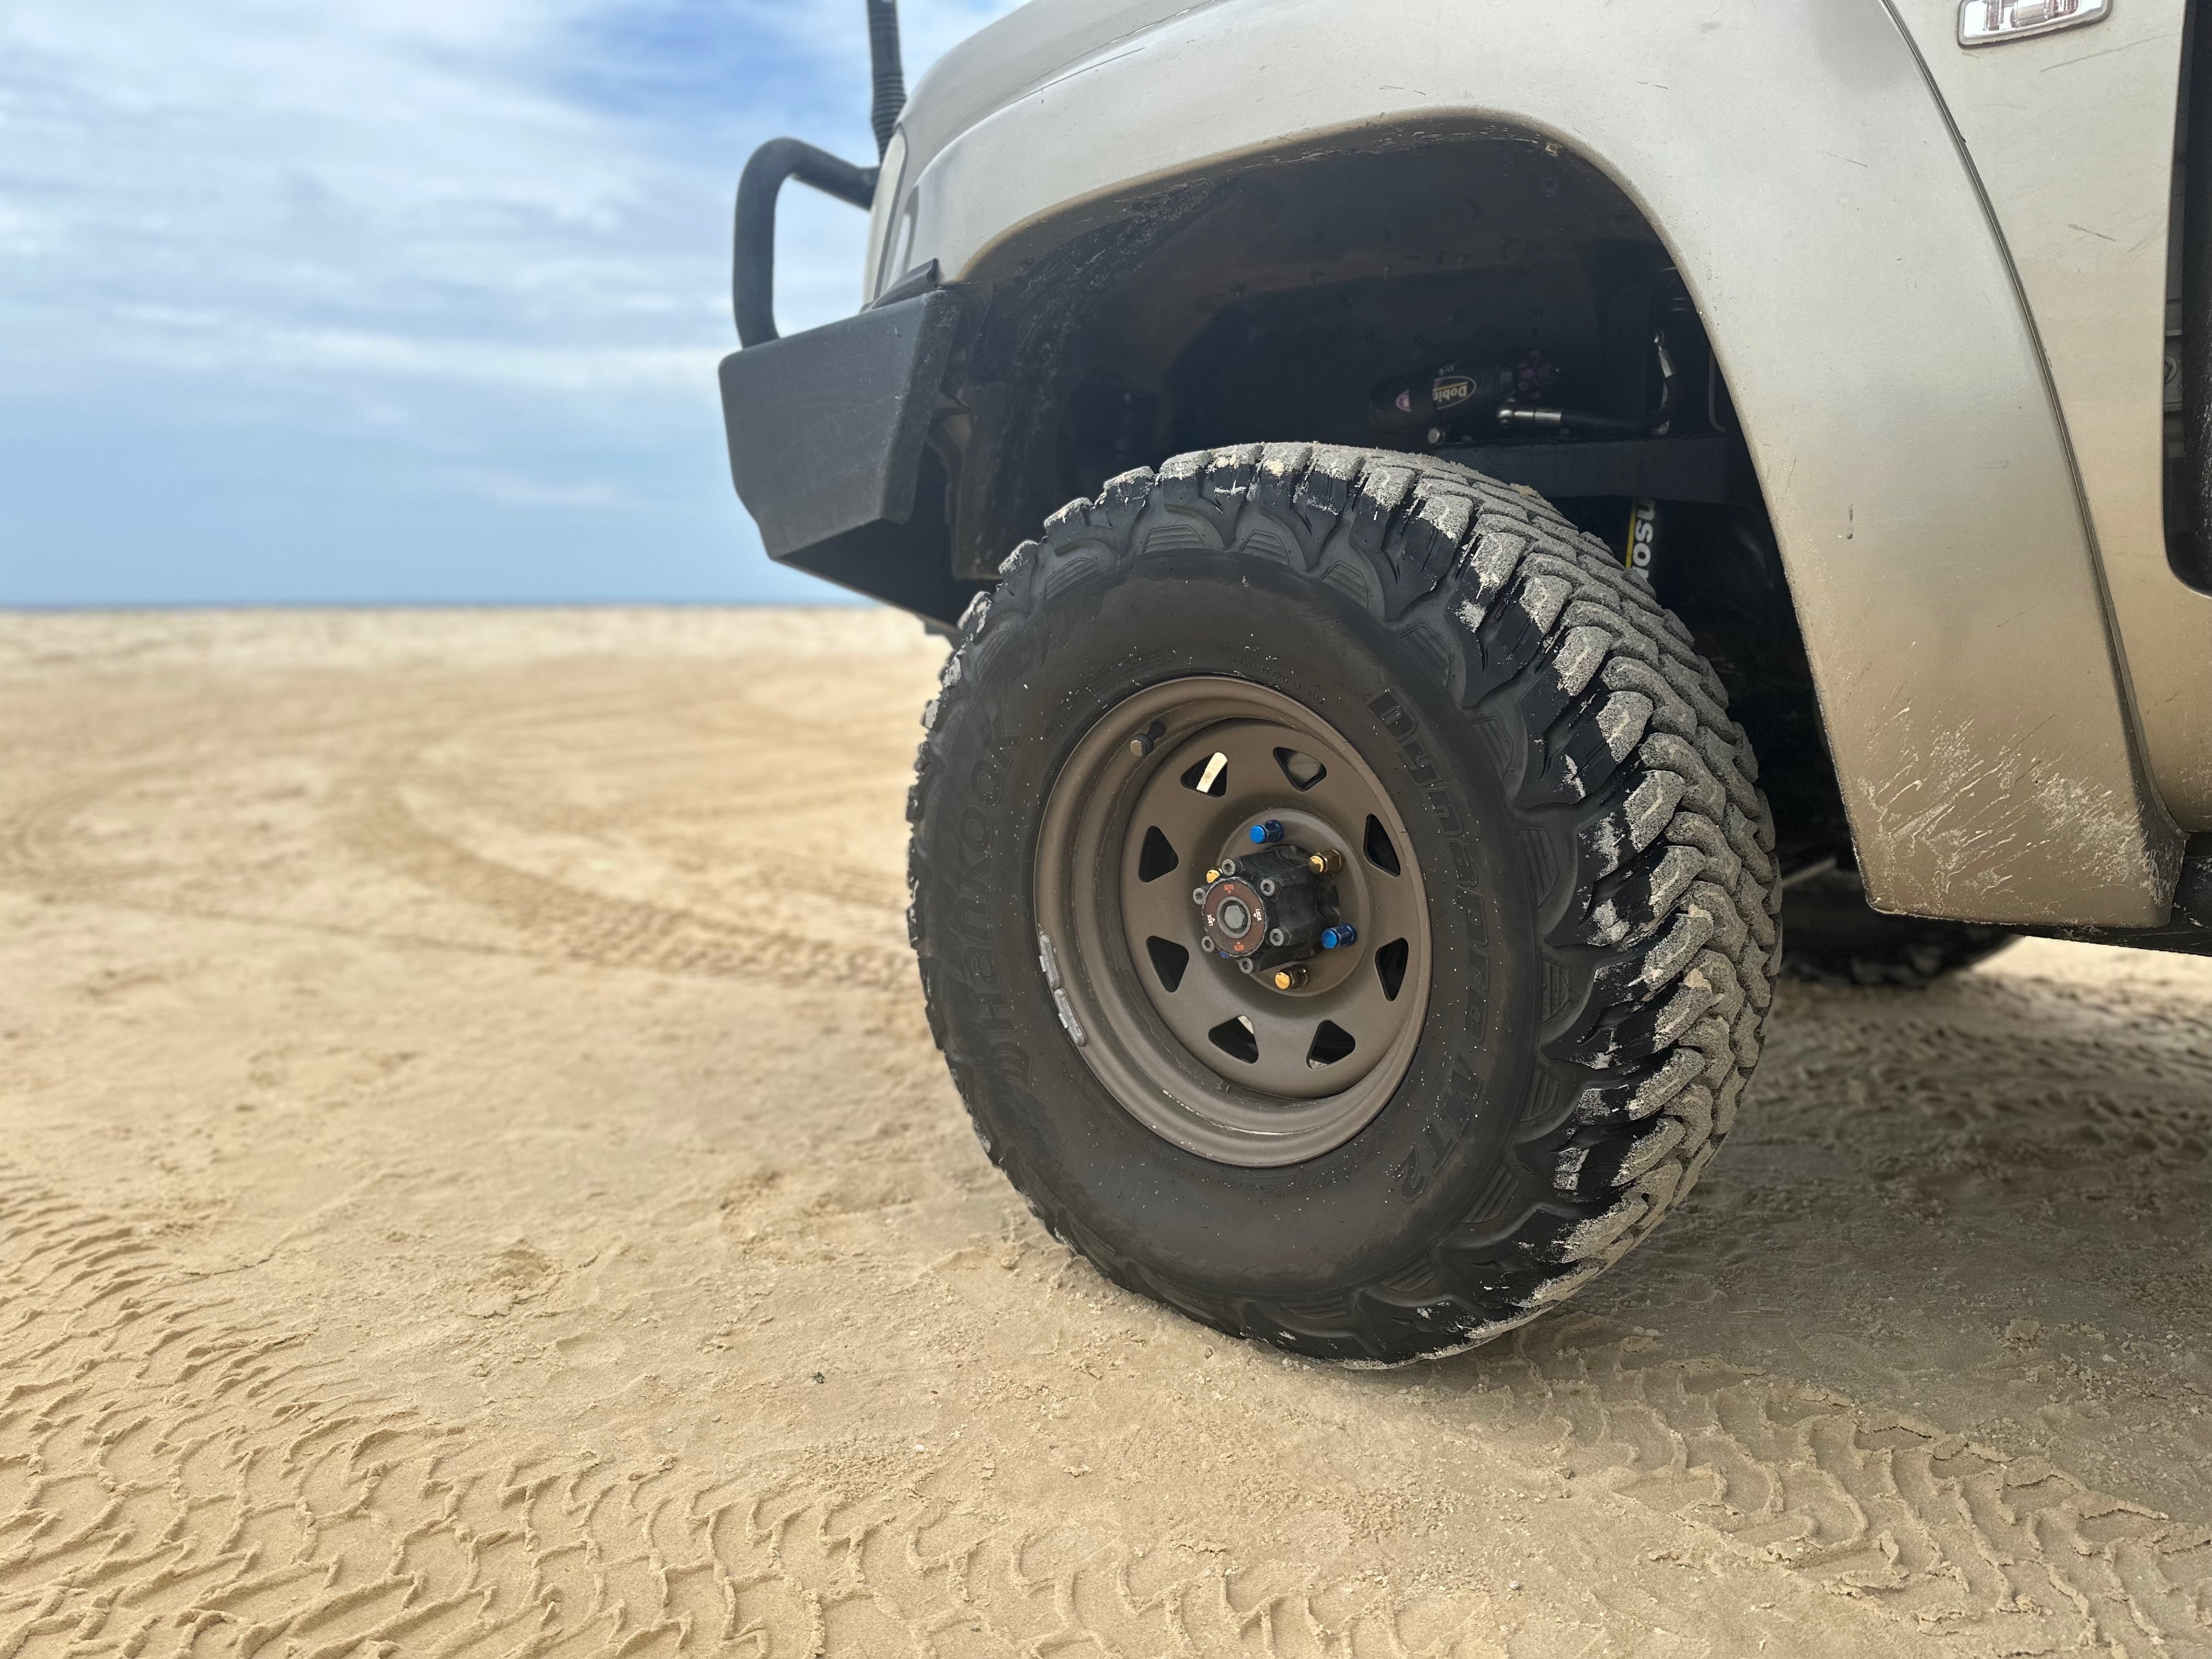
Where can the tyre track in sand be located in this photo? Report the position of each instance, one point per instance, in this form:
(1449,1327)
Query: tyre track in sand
(802,771)
(176,1474)
(546,916)
(1953,1535)
(603,929)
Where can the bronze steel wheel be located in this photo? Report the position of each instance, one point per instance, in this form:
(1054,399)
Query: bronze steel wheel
(1255,1066)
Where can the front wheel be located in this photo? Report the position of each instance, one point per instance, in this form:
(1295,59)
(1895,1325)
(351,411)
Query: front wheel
(1341,896)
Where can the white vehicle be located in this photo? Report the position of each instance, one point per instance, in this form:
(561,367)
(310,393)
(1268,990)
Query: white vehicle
(1462,527)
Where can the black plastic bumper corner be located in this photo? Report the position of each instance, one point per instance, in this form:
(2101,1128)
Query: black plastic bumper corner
(827,432)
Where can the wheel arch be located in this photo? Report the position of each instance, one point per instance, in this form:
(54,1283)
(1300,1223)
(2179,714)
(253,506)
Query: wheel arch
(1832,235)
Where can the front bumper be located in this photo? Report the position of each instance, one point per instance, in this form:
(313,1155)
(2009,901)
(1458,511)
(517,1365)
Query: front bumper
(827,434)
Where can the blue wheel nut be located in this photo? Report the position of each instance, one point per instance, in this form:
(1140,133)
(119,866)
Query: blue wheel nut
(1342,934)
(1261,834)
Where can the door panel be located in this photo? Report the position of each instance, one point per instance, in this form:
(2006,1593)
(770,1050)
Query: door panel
(2072,134)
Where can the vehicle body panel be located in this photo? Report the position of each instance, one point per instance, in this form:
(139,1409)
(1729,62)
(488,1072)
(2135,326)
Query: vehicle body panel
(1809,187)
(2073,137)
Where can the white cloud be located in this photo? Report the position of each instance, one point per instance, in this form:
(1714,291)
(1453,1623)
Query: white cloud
(510,489)
(398,169)
(211,343)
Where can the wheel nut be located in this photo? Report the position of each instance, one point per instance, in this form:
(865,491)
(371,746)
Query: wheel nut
(1213,875)
(1292,978)
(1144,743)
(1269,829)
(1342,934)
(1325,863)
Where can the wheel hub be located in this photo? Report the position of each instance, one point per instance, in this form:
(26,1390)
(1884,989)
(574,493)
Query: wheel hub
(1272,909)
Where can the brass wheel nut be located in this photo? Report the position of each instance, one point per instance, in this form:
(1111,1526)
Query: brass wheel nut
(1291,978)
(1325,863)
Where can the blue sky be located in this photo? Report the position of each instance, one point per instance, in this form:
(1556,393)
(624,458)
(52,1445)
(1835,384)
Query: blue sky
(389,300)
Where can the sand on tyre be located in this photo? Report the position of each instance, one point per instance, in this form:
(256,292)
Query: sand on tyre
(1342,898)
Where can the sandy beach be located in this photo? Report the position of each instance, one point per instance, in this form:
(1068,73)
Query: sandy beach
(475,1179)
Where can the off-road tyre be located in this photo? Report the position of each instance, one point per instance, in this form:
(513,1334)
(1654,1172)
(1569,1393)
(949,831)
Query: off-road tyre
(1600,876)
(1832,936)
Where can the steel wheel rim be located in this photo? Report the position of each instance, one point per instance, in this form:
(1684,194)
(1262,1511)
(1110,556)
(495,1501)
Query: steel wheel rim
(1146,1031)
